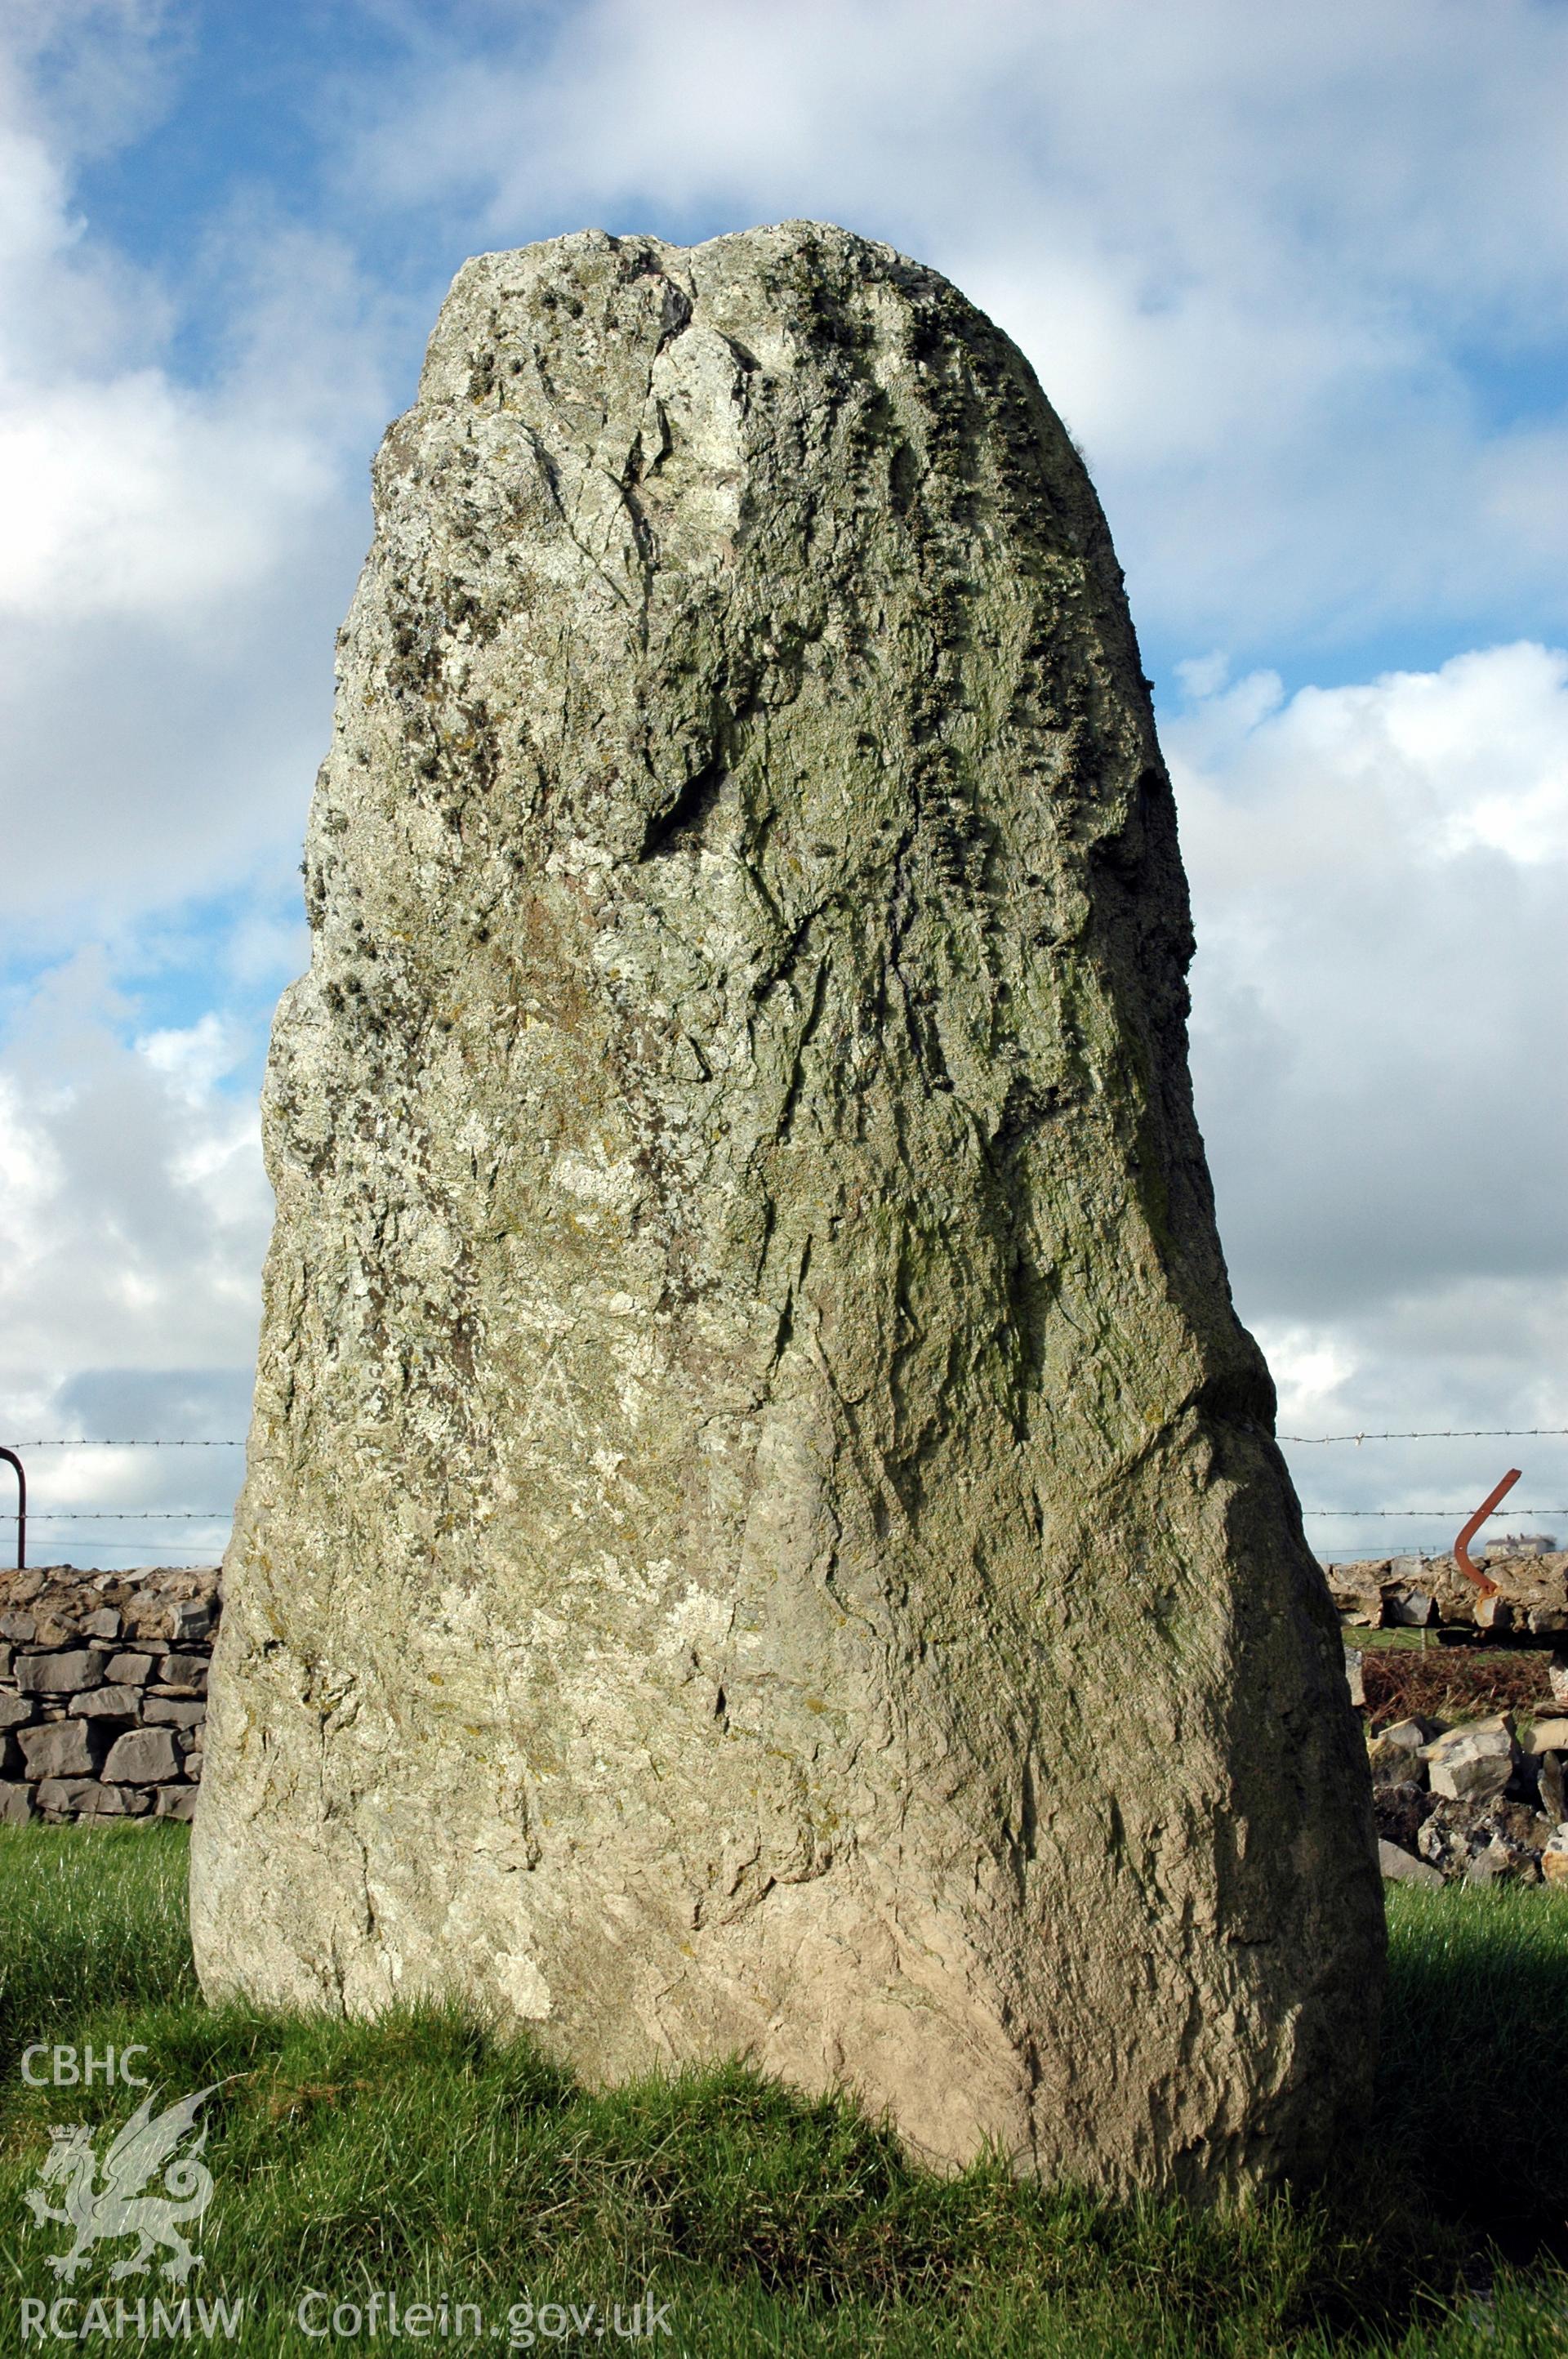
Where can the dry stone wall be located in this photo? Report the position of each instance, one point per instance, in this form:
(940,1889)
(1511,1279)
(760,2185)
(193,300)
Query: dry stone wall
(1431,1593)
(103,1692)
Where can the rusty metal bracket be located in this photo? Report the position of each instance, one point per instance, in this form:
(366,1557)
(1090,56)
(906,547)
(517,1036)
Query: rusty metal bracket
(1483,1581)
(12,1459)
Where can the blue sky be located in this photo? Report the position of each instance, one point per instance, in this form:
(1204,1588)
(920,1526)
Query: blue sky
(1299,285)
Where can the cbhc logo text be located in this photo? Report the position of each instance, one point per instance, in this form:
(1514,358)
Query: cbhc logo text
(74,2068)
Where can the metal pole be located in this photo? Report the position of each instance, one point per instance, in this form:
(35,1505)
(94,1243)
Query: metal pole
(1483,1581)
(12,1459)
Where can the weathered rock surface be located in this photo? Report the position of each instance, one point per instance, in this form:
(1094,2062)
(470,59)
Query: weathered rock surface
(1474,1763)
(64,1748)
(1478,1845)
(762,1531)
(1401,1867)
(1399,1811)
(1394,1753)
(143,1756)
(108,1704)
(57,1673)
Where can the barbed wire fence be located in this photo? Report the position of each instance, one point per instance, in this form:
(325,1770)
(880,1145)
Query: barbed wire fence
(74,1515)
(1437,1433)
(1428,1434)
(71,1517)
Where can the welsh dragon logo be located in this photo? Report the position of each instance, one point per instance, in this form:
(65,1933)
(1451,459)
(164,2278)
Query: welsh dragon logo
(100,2209)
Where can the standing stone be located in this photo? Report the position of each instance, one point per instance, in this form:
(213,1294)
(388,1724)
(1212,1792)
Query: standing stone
(762,1531)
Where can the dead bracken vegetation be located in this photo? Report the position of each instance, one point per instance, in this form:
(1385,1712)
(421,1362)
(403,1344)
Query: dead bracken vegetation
(1452,1683)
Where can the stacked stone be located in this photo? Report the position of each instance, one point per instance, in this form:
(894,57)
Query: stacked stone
(103,1692)
(1481,1803)
(1431,1593)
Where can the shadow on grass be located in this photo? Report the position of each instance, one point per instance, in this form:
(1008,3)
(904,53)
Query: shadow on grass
(420,2154)
(1473,2078)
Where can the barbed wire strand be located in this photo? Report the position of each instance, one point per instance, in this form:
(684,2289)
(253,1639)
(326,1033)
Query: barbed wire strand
(221,1514)
(1437,1433)
(1310,1441)
(205,1554)
(1444,1433)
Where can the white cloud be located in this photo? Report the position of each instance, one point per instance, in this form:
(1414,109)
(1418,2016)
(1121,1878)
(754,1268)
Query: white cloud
(131,498)
(1378,874)
(1292,275)
(132,1208)
(1413,767)
(192,1058)
(134,1215)
(1265,261)
(176,554)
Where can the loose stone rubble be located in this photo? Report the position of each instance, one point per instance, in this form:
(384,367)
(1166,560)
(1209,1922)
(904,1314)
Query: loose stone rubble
(1477,1803)
(1472,1764)
(103,1691)
(1470,1802)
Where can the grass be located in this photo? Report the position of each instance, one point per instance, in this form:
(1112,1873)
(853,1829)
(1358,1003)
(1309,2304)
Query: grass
(1433,1639)
(420,2154)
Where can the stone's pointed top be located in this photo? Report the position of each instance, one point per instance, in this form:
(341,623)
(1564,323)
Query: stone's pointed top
(763,240)
(760,1534)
